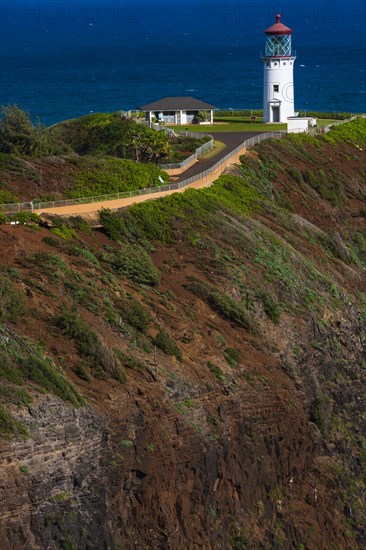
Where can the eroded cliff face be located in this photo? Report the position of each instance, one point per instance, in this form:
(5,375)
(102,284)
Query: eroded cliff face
(222,378)
(53,483)
(174,459)
(186,480)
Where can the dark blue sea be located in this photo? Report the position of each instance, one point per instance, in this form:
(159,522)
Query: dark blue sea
(65,58)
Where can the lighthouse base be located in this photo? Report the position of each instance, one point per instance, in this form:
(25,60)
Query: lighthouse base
(277,111)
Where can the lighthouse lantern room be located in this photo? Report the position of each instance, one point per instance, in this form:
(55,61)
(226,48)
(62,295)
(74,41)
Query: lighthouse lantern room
(278,59)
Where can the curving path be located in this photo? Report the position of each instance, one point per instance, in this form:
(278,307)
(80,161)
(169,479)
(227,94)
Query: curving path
(231,139)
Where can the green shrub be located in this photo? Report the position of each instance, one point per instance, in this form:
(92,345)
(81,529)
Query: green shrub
(43,372)
(8,370)
(77,222)
(113,175)
(183,147)
(232,356)
(20,168)
(51,241)
(95,119)
(7,197)
(216,371)
(270,306)
(156,220)
(21,361)
(164,342)
(353,132)
(84,253)
(47,261)
(12,301)
(26,218)
(76,328)
(15,396)
(9,426)
(318,412)
(224,305)
(64,232)
(20,137)
(133,313)
(134,263)
(100,358)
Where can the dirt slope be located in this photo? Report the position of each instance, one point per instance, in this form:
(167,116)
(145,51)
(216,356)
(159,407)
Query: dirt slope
(230,412)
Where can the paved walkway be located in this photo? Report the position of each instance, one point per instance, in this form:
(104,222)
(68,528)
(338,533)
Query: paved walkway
(232,140)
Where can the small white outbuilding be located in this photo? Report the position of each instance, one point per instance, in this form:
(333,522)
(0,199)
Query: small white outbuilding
(298,125)
(177,110)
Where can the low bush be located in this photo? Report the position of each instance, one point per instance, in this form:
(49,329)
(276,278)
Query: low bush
(7,197)
(156,220)
(47,262)
(43,372)
(352,132)
(167,344)
(134,263)
(7,370)
(11,427)
(12,300)
(113,175)
(98,357)
(232,356)
(183,147)
(216,370)
(270,306)
(133,313)
(23,362)
(224,305)
(84,253)
(15,396)
(64,232)
(51,241)
(77,222)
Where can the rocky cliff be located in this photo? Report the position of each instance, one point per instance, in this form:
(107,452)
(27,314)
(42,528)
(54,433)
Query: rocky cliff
(192,373)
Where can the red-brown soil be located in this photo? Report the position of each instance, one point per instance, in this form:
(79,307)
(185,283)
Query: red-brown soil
(182,455)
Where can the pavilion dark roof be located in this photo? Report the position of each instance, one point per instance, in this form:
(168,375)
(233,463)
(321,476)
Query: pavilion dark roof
(177,104)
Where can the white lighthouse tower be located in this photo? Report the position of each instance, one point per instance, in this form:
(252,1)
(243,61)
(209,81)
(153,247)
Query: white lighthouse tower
(278,59)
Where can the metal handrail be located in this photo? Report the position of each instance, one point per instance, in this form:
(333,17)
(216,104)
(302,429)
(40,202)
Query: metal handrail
(208,146)
(33,205)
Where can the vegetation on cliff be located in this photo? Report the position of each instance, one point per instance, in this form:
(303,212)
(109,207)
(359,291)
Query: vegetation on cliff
(93,155)
(219,335)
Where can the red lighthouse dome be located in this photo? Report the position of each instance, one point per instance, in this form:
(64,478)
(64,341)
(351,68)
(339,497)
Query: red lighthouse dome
(278,28)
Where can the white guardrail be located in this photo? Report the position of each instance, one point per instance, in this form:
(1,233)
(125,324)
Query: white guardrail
(198,152)
(33,205)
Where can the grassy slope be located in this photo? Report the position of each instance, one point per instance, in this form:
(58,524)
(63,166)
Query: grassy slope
(88,166)
(270,259)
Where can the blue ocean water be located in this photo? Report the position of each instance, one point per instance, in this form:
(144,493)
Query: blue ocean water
(66,58)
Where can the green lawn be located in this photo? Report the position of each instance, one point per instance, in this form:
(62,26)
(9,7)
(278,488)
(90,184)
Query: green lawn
(239,124)
(325,121)
(231,124)
(218,146)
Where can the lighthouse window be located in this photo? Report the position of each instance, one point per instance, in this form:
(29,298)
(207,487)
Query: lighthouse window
(267,64)
(276,87)
(275,63)
(284,63)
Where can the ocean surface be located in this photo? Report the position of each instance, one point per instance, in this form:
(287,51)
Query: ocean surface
(65,58)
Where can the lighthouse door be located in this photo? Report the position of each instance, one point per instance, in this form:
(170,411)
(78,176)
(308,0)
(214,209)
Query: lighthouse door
(275,114)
